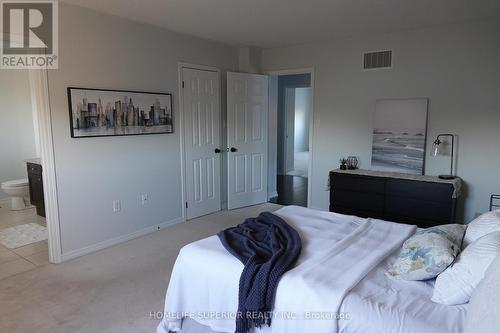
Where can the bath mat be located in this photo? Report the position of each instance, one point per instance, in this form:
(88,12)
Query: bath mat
(23,234)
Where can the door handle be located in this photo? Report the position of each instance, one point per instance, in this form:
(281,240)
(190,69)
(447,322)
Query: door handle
(233,150)
(217,150)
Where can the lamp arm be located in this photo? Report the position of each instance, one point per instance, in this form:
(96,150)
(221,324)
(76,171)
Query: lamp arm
(452,153)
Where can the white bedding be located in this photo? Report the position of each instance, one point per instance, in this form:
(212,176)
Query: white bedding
(340,271)
(380,304)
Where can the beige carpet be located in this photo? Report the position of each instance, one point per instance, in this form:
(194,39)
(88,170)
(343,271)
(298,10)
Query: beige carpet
(110,291)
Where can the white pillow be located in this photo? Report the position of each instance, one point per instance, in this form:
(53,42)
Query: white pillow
(456,284)
(484,224)
(483,312)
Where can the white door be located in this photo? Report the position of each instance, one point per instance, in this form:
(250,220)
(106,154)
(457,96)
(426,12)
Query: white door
(201,110)
(247,113)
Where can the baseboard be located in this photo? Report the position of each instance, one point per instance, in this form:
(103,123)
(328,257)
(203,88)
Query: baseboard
(272,195)
(114,241)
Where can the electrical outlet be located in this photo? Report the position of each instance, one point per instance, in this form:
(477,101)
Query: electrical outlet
(117,206)
(144,199)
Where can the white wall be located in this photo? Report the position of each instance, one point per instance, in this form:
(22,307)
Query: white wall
(102,51)
(249,60)
(301,124)
(17,141)
(456,67)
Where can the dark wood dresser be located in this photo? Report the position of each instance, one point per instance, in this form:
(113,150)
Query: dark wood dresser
(36,187)
(422,200)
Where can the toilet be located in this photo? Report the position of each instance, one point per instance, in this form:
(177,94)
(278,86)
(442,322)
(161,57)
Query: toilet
(17,190)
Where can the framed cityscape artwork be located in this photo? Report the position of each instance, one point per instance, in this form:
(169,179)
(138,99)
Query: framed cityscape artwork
(103,112)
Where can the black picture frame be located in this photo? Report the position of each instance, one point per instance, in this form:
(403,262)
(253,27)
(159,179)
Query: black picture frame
(112,112)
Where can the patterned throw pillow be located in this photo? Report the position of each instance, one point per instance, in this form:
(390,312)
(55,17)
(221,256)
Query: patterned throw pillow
(454,232)
(428,253)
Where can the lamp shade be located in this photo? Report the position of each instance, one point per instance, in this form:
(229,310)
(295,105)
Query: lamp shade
(440,148)
(437,148)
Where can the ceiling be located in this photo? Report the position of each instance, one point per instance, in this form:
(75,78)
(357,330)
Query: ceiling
(278,23)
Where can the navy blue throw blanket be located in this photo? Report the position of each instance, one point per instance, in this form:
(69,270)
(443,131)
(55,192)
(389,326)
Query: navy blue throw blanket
(268,247)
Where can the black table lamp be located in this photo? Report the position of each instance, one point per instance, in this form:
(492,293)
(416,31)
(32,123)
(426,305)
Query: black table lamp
(437,150)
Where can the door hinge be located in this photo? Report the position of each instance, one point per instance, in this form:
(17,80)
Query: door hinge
(183,84)
(186,204)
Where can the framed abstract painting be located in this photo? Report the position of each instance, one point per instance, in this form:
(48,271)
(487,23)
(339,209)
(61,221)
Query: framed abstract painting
(399,135)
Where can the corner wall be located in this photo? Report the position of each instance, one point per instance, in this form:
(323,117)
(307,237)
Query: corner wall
(456,67)
(103,51)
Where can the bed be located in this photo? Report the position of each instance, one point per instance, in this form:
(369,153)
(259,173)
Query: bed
(338,284)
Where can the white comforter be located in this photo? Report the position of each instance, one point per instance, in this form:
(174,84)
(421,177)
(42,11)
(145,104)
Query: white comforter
(330,279)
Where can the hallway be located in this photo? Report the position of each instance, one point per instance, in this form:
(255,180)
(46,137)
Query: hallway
(292,190)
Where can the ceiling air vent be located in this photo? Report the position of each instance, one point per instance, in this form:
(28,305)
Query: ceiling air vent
(377,60)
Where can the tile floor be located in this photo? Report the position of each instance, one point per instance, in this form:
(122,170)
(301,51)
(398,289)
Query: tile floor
(21,259)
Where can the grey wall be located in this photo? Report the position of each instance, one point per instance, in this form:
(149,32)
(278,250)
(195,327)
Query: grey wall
(102,51)
(17,141)
(302,113)
(249,60)
(456,67)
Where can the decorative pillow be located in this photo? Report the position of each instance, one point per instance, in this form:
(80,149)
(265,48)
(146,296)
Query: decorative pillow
(428,253)
(456,284)
(454,232)
(484,224)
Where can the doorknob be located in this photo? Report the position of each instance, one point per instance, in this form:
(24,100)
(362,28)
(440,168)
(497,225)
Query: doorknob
(217,150)
(233,150)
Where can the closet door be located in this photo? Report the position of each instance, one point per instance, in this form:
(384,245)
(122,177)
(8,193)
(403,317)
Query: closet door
(201,107)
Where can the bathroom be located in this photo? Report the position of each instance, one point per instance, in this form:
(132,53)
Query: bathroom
(23,232)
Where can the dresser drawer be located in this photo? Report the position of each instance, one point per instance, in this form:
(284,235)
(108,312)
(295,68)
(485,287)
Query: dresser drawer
(373,202)
(357,183)
(418,209)
(422,223)
(428,191)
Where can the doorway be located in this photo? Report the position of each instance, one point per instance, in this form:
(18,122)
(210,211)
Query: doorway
(28,226)
(293,123)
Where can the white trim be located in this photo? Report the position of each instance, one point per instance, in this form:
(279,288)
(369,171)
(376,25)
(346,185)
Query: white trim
(36,127)
(281,72)
(272,194)
(309,70)
(41,105)
(197,66)
(180,67)
(120,239)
